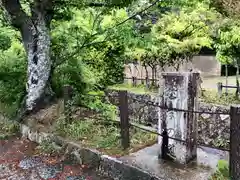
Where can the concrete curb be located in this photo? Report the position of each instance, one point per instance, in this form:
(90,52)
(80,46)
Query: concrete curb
(105,164)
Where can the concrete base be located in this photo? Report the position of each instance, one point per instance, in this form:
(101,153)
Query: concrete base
(201,169)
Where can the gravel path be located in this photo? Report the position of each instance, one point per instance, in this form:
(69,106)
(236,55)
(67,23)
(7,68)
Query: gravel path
(19,161)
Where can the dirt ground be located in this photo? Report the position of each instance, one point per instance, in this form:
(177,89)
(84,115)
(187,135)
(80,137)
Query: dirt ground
(19,160)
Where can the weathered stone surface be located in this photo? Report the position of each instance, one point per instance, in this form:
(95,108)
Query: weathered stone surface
(140,108)
(180,91)
(213,129)
(119,170)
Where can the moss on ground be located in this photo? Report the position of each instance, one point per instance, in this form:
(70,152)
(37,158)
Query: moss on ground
(8,128)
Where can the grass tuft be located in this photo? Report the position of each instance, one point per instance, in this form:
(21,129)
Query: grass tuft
(103,136)
(8,128)
(211,96)
(139,89)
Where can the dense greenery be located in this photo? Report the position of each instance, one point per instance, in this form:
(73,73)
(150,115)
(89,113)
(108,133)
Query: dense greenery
(83,63)
(90,46)
(222,172)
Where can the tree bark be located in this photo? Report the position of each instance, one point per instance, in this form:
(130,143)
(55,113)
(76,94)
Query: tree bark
(35,32)
(39,64)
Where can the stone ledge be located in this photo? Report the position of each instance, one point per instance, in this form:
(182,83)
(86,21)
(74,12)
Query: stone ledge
(106,165)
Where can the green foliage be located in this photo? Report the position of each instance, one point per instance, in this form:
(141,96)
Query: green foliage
(227,46)
(90,62)
(222,171)
(5,40)
(89,46)
(12,74)
(212,97)
(96,103)
(182,34)
(75,74)
(7,128)
(139,89)
(179,33)
(13,69)
(47,147)
(223,168)
(102,136)
(101,54)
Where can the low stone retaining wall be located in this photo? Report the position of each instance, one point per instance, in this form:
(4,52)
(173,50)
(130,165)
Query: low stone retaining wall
(106,165)
(213,129)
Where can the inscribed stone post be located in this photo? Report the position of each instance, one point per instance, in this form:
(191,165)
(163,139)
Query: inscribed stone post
(180,90)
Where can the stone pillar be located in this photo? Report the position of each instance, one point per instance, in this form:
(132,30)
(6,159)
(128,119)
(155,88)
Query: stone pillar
(180,90)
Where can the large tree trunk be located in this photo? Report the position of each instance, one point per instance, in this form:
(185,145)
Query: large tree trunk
(35,31)
(39,64)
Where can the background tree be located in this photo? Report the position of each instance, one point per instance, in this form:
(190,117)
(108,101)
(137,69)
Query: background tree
(185,32)
(228,48)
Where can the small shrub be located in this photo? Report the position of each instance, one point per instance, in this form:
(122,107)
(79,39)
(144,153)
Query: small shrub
(104,137)
(12,65)
(108,111)
(223,168)
(138,89)
(47,147)
(210,96)
(97,102)
(222,172)
(8,128)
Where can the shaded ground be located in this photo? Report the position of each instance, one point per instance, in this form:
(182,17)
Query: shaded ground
(19,161)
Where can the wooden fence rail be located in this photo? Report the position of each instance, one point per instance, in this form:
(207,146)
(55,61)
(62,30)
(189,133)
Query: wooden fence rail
(147,81)
(220,87)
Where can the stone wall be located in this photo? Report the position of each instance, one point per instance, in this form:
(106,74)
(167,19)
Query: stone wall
(213,129)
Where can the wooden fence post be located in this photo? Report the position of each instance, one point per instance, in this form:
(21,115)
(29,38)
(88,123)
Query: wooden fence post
(147,83)
(124,120)
(134,83)
(234,164)
(219,86)
(67,95)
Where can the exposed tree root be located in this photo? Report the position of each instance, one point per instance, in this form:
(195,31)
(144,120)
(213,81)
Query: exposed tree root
(22,112)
